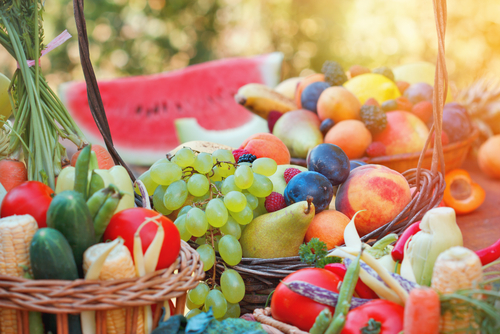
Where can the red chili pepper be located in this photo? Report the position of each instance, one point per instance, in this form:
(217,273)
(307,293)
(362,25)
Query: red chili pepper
(398,251)
(489,254)
(361,288)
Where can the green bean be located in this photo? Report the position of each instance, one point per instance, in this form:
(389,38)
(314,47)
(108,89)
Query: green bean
(96,183)
(97,200)
(336,325)
(322,322)
(82,171)
(104,215)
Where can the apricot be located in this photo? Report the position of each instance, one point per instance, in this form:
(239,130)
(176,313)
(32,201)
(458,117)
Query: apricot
(266,145)
(351,136)
(488,157)
(304,83)
(328,226)
(379,190)
(338,104)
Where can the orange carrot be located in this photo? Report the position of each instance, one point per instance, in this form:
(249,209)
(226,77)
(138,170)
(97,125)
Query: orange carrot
(422,312)
(12,173)
(104,159)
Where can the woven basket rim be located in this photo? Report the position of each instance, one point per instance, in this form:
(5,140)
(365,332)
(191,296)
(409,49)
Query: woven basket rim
(66,296)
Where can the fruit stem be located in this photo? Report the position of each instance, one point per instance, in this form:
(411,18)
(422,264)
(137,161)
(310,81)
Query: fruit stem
(309,200)
(215,262)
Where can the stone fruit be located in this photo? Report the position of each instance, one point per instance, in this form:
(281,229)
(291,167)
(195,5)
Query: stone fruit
(299,131)
(278,180)
(310,95)
(328,226)
(279,233)
(326,125)
(356,70)
(338,104)
(288,87)
(304,83)
(312,184)
(330,161)
(379,190)
(355,164)
(456,122)
(351,136)
(404,133)
(266,145)
(418,92)
(489,158)
(374,85)
(423,110)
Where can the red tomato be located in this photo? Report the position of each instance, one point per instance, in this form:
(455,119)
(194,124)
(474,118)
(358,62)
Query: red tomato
(30,197)
(126,222)
(389,314)
(292,308)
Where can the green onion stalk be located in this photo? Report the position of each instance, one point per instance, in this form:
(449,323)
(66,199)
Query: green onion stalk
(40,117)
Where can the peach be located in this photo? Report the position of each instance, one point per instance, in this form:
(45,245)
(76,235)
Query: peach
(304,83)
(404,133)
(351,136)
(338,104)
(488,157)
(266,145)
(379,190)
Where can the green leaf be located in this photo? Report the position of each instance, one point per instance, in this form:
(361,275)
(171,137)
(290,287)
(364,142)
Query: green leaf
(315,253)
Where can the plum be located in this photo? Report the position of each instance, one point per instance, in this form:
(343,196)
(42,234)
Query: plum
(356,163)
(330,161)
(456,123)
(311,184)
(310,95)
(419,91)
(326,125)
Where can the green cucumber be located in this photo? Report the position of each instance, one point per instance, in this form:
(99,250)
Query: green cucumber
(68,213)
(51,258)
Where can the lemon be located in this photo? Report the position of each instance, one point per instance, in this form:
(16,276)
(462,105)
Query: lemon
(374,85)
(5,108)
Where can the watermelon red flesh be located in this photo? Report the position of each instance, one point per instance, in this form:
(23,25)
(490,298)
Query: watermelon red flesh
(141,110)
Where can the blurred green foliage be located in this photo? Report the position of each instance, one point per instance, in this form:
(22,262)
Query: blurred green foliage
(150,36)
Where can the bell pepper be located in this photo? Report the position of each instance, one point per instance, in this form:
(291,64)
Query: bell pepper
(461,193)
(116,175)
(397,252)
(489,254)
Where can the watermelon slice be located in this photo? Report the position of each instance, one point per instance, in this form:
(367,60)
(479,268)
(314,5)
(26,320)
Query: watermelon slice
(142,110)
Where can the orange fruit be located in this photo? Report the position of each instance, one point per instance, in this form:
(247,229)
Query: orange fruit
(328,226)
(488,158)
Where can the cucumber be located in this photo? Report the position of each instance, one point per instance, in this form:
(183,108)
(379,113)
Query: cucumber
(51,258)
(69,214)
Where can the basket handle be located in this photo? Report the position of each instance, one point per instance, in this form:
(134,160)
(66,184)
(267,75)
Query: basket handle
(94,96)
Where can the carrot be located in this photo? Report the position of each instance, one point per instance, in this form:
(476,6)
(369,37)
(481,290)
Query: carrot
(12,173)
(104,159)
(422,312)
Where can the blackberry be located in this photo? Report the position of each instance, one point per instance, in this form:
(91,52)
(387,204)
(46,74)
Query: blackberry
(385,71)
(374,118)
(247,158)
(334,73)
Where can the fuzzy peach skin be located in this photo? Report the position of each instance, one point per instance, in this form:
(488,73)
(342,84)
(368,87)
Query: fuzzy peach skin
(404,133)
(266,145)
(379,190)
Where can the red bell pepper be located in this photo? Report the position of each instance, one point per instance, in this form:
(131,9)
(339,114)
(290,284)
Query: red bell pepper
(361,288)
(489,254)
(398,251)
(377,316)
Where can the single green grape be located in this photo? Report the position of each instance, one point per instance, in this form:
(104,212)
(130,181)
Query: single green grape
(243,217)
(199,294)
(148,183)
(203,163)
(192,306)
(252,201)
(165,173)
(229,185)
(201,240)
(194,313)
(262,186)
(264,166)
(158,204)
(225,169)
(161,161)
(216,300)
(184,210)
(184,157)
(230,250)
(233,311)
(232,228)
(198,185)
(235,201)
(233,287)
(245,164)
(216,212)
(176,195)
(180,223)
(215,175)
(243,177)
(207,256)
(196,222)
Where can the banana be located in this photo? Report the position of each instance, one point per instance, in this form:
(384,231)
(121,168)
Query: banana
(201,146)
(261,100)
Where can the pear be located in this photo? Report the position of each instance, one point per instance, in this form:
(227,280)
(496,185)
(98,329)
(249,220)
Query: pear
(278,180)
(279,233)
(299,131)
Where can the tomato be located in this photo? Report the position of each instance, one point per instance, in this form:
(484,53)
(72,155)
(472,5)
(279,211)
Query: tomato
(125,224)
(292,308)
(390,316)
(30,197)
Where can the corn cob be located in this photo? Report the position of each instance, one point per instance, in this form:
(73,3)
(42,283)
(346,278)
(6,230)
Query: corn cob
(16,233)
(118,264)
(457,268)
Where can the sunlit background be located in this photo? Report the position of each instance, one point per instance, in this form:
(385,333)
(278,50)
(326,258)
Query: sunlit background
(150,36)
